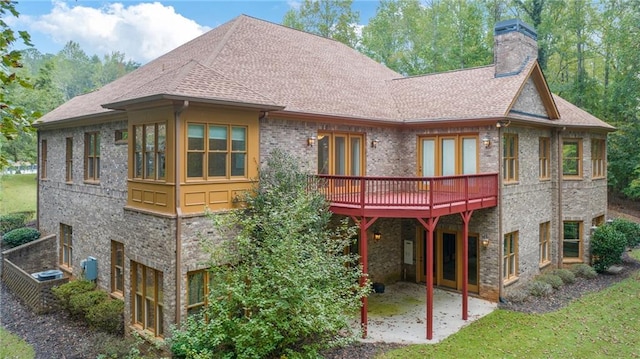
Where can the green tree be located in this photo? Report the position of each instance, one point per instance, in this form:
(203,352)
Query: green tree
(285,286)
(328,18)
(14,118)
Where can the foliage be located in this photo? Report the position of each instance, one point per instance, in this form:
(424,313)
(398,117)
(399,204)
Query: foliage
(629,229)
(566,275)
(14,347)
(517,295)
(284,286)
(79,304)
(594,326)
(20,236)
(328,18)
(583,270)
(12,118)
(65,291)
(607,246)
(539,288)
(551,279)
(11,221)
(18,193)
(107,316)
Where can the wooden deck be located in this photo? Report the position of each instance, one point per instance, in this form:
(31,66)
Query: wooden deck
(409,197)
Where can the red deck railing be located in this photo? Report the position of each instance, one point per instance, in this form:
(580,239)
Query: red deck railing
(357,194)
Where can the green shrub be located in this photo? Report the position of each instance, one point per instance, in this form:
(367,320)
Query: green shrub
(107,316)
(552,279)
(11,221)
(20,236)
(540,289)
(65,291)
(584,271)
(607,246)
(79,304)
(566,275)
(629,229)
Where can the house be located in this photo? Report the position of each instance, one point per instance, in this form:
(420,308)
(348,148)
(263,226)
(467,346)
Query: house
(474,180)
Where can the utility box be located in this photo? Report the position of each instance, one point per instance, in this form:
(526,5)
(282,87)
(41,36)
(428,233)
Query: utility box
(90,268)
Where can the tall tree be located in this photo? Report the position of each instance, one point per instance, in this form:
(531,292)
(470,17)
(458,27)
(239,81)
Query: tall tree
(14,118)
(333,19)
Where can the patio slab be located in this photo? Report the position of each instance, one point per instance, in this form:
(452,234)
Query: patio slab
(399,314)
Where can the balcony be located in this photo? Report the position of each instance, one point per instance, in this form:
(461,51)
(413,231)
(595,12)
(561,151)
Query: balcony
(409,197)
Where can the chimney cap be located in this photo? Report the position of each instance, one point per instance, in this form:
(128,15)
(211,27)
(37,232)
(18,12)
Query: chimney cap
(506,26)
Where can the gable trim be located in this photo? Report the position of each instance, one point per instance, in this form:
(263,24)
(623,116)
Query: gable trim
(536,75)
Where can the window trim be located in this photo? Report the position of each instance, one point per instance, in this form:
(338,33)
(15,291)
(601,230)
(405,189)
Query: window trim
(158,306)
(598,158)
(115,266)
(578,159)
(95,158)
(66,246)
(544,246)
(511,161)
(331,153)
(544,158)
(69,159)
(43,159)
(121,136)
(438,153)
(206,284)
(157,153)
(510,257)
(206,151)
(580,241)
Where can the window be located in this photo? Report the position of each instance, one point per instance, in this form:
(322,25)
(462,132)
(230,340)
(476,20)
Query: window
(198,284)
(147,291)
(448,155)
(66,245)
(510,157)
(572,158)
(572,240)
(510,256)
(117,267)
(544,154)
(69,160)
(545,243)
(149,158)
(92,156)
(598,165)
(222,155)
(121,136)
(597,221)
(43,160)
(340,154)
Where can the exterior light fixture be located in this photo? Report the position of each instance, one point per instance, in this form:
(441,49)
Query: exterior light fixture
(311,140)
(609,221)
(486,141)
(593,228)
(377,236)
(503,123)
(485,242)
(375,142)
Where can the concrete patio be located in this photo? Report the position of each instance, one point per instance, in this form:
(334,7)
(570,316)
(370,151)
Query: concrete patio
(398,315)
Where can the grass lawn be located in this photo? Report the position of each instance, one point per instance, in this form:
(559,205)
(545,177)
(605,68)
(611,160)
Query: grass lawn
(11,346)
(17,193)
(598,325)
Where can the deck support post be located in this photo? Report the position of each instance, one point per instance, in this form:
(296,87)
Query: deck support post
(364,262)
(430,226)
(466,217)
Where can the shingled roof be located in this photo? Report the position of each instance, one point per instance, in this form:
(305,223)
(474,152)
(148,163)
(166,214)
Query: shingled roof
(254,63)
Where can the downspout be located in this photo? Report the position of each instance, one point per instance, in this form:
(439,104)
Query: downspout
(560,227)
(500,184)
(177,178)
(38,183)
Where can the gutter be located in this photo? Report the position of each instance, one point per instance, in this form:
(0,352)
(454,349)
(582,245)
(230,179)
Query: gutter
(177,172)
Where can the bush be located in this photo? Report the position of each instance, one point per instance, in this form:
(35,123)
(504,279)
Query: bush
(630,230)
(517,295)
(584,271)
(540,289)
(11,221)
(64,292)
(79,304)
(552,279)
(107,316)
(20,236)
(566,275)
(607,246)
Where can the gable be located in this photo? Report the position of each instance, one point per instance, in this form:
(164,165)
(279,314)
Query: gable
(529,102)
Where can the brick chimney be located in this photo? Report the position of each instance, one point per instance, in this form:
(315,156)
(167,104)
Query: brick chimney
(514,45)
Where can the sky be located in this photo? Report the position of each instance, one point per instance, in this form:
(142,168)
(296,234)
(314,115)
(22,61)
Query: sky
(142,30)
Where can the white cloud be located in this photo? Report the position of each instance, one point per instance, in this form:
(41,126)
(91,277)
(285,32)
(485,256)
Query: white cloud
(142,32)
